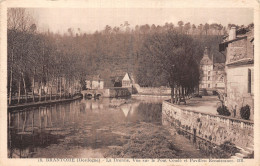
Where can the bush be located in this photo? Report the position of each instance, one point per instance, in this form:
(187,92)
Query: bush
(245,112)
(204,92)
(197,95)
(223,110)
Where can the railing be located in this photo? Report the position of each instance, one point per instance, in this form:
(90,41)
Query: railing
(37,98)
(244,124)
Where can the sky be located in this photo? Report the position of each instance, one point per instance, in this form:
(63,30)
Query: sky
(58,20)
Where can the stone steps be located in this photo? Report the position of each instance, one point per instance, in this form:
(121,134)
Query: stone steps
(235,157)
(240,155)
(250,150)
(244,152)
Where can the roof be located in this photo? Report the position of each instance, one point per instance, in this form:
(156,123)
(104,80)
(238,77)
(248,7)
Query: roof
(94,78)
(241,62)
(127,77)
(206,60)
(219,66)
(241,33)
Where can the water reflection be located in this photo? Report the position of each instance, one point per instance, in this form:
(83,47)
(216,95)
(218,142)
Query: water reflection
(81,123)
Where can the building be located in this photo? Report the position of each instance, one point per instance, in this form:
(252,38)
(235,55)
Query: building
(219,75)
(127,81)
(239,49)
(94,82)
(212,74)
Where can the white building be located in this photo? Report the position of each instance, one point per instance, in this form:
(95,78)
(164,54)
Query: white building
(127,81)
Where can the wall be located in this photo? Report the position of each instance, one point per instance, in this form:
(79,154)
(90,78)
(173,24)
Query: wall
(152,90)
(119,92)
(214,128)
(237,89)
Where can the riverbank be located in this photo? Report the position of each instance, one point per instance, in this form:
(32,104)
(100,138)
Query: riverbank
(146,140)
(36,104)
(150,95)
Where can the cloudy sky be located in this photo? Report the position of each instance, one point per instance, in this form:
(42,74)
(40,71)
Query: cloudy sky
(91,19)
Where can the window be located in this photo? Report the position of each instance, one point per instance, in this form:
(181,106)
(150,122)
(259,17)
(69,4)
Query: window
(249,80)
(208,77)
(208,85)
(208,72)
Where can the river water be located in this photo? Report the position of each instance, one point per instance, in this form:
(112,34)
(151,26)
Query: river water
(82,128)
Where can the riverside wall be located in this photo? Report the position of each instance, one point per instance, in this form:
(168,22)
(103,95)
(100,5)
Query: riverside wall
(213,128)
(152,90)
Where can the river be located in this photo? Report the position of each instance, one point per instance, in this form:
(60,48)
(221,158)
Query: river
(82,128)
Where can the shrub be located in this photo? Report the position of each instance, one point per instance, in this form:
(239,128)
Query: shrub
(223,110)
(245,112)
(204,92)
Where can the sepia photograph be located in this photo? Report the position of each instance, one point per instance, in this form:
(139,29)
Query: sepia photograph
(132,84)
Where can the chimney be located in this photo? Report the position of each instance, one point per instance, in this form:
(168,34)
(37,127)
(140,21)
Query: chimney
(232,33)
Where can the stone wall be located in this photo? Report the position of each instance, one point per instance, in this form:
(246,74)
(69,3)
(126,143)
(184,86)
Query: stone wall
(237,89)
(213,128)
(119,92)
(152,90)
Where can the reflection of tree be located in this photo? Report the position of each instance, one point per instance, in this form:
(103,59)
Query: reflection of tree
(149,112)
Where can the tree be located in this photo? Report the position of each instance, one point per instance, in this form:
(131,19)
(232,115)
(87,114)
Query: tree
(193,28)
(19,22)
(173,53)
(206,28)
(200,27)
(187,27)
(180,23)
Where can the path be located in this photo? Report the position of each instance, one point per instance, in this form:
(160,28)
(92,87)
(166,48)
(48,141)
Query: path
(206,104)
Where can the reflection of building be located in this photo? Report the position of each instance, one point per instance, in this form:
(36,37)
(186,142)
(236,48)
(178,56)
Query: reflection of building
(94,82)
(239,49)
(212,74)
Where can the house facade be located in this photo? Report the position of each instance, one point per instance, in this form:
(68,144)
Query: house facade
(94,82)
(239,66)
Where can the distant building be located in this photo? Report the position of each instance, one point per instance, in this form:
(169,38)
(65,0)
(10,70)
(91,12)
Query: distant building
(212,74)
(127,81)
(219,75)
(94,82)
(239,49)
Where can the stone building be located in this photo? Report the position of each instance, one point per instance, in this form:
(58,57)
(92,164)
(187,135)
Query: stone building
(212,74)
(94,82)
(239,49)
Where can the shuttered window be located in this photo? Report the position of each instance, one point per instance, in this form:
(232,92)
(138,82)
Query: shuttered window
(249,80)
(252,81)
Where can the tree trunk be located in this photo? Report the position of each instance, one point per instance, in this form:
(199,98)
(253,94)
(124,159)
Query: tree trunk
(11,79)
(19,91)
(24,85)
(33,85)
(40,90)
(183,94)
(64,87)
(172,95)
(57,87)
(51,89)
(176,95)
(60,87)
(179,95)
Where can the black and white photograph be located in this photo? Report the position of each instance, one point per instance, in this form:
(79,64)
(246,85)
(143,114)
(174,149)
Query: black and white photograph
(124,85)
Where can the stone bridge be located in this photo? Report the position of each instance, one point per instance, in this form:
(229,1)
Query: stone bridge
(92,93)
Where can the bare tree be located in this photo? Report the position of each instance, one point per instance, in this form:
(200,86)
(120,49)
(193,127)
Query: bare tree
(18,21)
